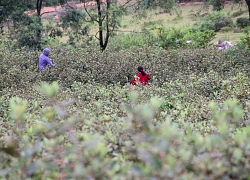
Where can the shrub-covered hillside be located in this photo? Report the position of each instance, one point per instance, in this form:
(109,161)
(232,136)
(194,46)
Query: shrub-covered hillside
(83,120)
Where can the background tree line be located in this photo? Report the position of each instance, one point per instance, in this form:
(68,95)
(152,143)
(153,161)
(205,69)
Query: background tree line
(26,30)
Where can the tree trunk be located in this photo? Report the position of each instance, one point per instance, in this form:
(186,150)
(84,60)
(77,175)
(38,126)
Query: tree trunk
(98,2)
(107,26)
(38,9)
(103,42)
(248,4)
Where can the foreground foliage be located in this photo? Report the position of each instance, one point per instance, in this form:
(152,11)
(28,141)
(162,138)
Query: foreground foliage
(86,121)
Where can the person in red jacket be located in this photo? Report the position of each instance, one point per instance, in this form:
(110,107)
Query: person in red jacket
(141,77)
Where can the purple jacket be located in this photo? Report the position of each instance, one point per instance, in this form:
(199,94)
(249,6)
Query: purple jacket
(44,60)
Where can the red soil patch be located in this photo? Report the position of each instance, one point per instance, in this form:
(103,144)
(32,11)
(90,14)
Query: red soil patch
(46,10)
(191,3)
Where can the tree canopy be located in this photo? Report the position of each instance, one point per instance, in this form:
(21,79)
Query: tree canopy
(7,7)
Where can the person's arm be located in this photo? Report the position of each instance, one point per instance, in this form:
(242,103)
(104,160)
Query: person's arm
(133,82)
(49,61)
(135,79)
(149,77)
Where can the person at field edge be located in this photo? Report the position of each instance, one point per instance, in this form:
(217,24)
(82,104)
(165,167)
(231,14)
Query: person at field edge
(44,60)
(221,45)
(141,77)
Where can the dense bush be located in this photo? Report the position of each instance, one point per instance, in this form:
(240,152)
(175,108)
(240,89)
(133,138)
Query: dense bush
(242,22)
(205,25)
(226,29)
(223,22)
(174,38)
(190,122)
(237,30)
(245,40)
(113,140)
(19,68)
(214,21)
(238,13)
(29,35)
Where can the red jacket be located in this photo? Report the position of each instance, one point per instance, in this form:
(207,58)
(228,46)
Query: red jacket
(142,79)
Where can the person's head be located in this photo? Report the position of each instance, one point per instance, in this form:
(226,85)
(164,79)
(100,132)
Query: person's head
(219,42)
(140,69)
(46,51)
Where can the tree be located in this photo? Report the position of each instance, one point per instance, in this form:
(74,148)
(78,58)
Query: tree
(7,7)
(39,4)
(240,2)
(218,5)
(25,29)
(248,5)
(107,14)
(13,11)
(72,20)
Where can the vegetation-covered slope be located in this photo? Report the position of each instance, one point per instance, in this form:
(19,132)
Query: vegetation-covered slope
(191,122)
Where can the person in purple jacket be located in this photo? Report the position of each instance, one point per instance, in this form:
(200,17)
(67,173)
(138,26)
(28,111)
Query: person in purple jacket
(44,60)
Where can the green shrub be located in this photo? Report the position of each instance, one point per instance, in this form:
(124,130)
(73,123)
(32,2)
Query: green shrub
(217,5)
(177,38)
(242,22)
(200,39)
(29,35)
(214,21)
(238,13)
(245,40)
(237,30)
(223,22)
(226,29)
(206,25)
